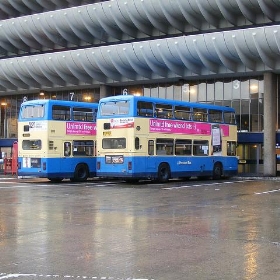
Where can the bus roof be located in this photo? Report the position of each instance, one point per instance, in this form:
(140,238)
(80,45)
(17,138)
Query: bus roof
(165,101)
(58,102)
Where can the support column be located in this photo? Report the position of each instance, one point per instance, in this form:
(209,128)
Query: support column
(269,136)
(105,91)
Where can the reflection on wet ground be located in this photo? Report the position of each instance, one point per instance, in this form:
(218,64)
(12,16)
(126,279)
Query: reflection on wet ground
(225,229)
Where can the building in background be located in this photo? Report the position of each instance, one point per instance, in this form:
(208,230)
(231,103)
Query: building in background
(220,52)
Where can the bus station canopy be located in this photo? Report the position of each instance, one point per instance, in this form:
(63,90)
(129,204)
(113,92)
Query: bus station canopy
(120,42)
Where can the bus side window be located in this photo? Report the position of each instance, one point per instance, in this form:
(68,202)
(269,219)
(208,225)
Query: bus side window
(165,146)
(164,111)
(200,147)
(61,113)
(215,116)
(67,149)
(82,114)
(83,148)
(145,109)
(183,147)
(183,113)
(151,147)
(200,115)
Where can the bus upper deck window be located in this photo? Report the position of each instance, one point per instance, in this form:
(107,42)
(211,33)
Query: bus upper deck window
(61,112)
(164,111)
(83,114)
(32,111)
(145,109)
(215,116)
(200,114)
(229,117)
(114,108)
(183,113)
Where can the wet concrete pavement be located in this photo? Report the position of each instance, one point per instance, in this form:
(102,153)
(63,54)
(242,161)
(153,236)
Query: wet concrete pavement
(226,229)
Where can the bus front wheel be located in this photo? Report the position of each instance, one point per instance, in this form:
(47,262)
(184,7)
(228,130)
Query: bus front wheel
(163,173)
(81,173)
(217,171)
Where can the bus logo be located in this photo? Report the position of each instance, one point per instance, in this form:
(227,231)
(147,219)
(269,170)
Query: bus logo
(188,162)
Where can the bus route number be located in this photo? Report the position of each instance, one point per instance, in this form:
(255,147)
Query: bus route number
(106,133)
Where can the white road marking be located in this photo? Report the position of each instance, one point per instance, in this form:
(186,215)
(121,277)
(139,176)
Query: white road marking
(205,185)
(19,275)
(16,186)
(272,191)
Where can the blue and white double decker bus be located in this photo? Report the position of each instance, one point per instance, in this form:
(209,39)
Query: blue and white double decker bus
(57,139)
(150,138)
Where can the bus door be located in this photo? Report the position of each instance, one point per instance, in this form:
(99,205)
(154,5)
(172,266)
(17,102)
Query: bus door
(150,162)
(67,153)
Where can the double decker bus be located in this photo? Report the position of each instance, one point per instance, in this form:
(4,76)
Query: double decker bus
(151,138)
(57,139)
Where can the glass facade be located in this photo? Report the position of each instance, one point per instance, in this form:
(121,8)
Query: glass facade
(244,95)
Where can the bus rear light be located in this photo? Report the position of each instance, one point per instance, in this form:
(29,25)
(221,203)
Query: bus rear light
(98,165)
(19,165)
(129,165)
(44,166)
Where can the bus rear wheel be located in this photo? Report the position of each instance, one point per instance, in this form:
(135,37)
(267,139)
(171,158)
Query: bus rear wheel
(217,171)
(81,173)
(163,173)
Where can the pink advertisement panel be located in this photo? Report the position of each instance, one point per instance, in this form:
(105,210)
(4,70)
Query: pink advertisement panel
(80,128)
(225,129)
(183,127)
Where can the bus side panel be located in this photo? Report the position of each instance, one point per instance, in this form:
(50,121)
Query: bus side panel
(136,167)
(53,167)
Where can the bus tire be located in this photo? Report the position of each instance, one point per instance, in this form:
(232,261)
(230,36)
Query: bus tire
(217,171)
(163,173)
(81,173)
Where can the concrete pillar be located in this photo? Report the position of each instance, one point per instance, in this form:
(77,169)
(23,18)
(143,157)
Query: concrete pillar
(270,111)
(105,91)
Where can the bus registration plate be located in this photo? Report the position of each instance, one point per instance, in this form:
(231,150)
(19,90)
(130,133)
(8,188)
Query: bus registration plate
(114,159)
(106,133)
